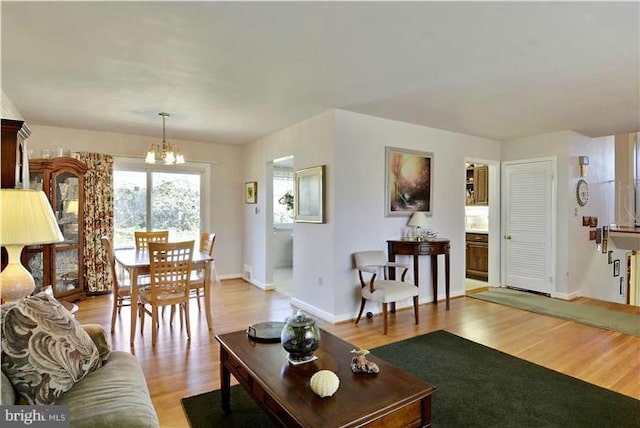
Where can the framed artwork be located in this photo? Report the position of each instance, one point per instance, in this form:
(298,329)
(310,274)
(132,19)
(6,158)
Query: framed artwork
(616,267)
(251,192)
(408,182)
(309,195)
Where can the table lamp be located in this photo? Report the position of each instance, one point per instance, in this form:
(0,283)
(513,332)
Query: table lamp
(26,218)
(418,220)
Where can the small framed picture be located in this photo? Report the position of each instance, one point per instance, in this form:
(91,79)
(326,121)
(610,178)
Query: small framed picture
(610,256)
(616,267)
(586,220)
(593,221)
(251,192)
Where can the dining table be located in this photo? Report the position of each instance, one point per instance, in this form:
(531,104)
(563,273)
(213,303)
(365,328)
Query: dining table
(136,263)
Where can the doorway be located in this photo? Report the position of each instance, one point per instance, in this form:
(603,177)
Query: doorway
(282,231)
(476,214)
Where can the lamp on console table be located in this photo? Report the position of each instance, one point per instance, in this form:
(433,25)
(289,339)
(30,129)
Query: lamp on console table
(418,220)
(26,219)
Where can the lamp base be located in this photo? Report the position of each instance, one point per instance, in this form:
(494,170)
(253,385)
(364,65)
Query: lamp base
(15,281)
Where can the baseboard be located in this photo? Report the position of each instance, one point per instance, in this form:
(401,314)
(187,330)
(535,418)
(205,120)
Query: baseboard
(565,296)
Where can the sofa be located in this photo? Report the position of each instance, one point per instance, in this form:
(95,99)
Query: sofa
(111,393)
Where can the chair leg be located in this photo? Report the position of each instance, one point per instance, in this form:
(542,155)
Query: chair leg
(363,301)
(415,309)
(114,313)
(142,317)
(198,298)
(154,324)
(185,307)
(384,317)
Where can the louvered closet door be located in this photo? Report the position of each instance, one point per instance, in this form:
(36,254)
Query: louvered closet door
(528,237)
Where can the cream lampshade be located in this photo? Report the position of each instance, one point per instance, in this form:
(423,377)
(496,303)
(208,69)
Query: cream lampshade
(419,221)
(26,219)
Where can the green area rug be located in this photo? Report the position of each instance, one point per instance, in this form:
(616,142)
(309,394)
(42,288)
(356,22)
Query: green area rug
(580,313)
(477,387)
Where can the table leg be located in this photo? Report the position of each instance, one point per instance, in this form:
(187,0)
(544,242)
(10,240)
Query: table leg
(225,381)
(434,277)
(392,275)
(134,303)
(207,294)
(447,274)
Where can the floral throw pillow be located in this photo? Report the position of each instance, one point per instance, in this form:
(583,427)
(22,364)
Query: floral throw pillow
(45,351)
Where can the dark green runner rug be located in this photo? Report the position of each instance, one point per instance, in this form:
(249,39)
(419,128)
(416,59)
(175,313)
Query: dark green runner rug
(477,387)
(583,314)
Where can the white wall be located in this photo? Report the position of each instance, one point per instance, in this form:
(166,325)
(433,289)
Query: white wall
(9,111)
(311,144)
(359,197)
(226,178)
(580,269)
(352,146)
(589,270)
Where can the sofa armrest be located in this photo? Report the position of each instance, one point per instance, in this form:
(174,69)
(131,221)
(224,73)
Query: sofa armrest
(99,337)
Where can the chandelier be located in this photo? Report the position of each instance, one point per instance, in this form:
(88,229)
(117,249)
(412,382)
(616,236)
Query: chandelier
(169,154)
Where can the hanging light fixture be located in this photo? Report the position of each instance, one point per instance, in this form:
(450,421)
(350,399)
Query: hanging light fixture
(169,154)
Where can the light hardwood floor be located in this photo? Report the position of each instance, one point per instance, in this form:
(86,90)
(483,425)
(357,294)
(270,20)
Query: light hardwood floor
(177,368)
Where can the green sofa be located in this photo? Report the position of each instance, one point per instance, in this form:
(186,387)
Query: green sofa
(115,395)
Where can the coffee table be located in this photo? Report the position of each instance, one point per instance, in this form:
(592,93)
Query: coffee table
(391,398)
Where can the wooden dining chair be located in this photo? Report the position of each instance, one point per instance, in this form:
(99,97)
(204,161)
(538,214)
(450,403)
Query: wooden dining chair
(207,243)
(170,272)
(121,289)
(369,265)
(143,238)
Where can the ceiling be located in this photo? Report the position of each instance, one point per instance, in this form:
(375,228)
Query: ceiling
(232,72)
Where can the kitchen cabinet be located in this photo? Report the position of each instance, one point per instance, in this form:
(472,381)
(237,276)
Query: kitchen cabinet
(477,184)
(477,256)
(60,265)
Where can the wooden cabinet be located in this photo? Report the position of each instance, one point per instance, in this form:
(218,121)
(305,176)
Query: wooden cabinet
(62,264)
(477,184)
(477,256)
(14,132)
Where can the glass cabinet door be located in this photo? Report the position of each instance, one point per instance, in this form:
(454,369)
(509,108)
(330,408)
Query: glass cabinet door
(66,257)
(35,265)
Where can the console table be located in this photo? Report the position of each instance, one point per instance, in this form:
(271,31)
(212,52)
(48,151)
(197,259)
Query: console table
(429,247)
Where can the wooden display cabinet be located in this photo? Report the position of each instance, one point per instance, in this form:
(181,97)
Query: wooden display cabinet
(60,265)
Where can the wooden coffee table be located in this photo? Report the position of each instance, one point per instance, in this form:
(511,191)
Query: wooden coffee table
(391,398)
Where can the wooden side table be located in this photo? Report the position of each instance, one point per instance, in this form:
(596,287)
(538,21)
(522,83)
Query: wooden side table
(429,247)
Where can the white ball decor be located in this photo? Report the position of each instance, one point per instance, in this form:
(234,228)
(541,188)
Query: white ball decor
(324,383)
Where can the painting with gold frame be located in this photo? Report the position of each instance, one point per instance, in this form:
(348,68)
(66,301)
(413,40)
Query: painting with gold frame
(309,195)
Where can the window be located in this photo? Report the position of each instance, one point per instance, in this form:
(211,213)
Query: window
(148,199)
(282,195)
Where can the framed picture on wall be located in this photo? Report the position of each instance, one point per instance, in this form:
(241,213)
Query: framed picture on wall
(408,182)
(616,267)
(251,192)
(309,195)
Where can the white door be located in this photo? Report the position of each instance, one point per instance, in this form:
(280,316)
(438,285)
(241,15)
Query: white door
(528,237)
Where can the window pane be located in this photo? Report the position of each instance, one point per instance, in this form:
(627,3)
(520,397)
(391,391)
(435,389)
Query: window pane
(282,195)
(175,205)
(130,189)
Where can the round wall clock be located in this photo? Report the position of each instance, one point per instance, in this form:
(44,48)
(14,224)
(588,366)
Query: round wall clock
(582,192)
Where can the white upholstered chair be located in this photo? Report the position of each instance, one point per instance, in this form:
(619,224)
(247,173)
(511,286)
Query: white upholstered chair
(370,264)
